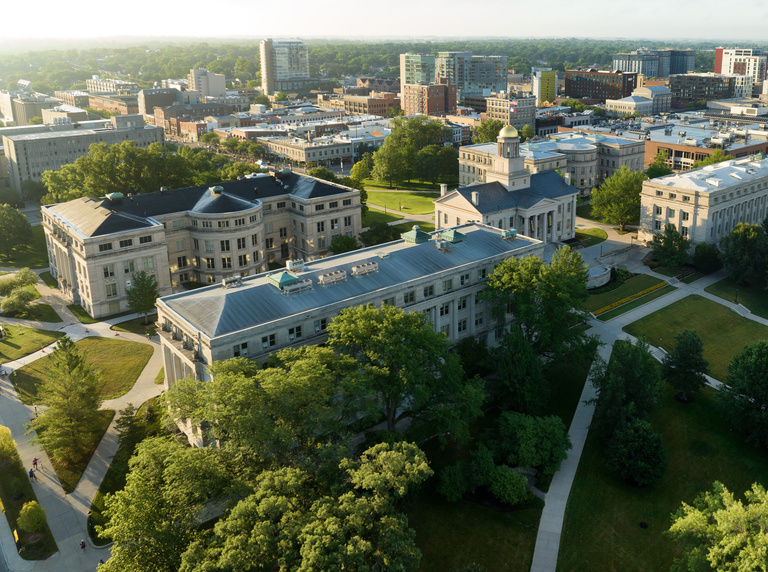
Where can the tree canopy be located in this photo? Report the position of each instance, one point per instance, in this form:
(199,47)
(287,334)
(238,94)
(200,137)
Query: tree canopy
(745,398)
(670,248)
(745,253)
(617,200)
(487,131)
(718,156)
(16,230)
(143,293)
(685,368)
(658,167)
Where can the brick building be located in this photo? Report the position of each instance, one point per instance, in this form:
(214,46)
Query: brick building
(435,99)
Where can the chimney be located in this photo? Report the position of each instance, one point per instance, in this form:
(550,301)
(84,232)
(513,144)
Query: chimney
(475,198)
(443,189)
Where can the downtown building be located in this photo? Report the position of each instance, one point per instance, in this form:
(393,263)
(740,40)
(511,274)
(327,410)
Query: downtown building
(515,111)
(741,61)
(599,85)
(656,63)
(284,65)
(202,234)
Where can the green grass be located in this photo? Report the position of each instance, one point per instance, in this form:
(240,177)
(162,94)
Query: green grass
(591,236)
(33,255)
(42,313)
(605,316)
(147,423)
(424,226)
(375,215)
(415,203)
(619,231)
(137,326)
(631,286)
(48,278)
(69,475)
(755,299)
(724,332)
(84,318)
(31,288)
(120,363)
(601,529)
(160,378)
(584,211)
(20,341)
(15,490)
(415,185)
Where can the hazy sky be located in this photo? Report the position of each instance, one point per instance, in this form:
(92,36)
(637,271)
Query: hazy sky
(663,19)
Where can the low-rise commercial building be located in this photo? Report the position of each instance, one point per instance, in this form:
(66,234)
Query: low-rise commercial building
(515,111)
(599,85)
(109,85)
(434,99)
(115,104)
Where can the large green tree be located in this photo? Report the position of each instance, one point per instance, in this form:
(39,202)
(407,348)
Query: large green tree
(658,167)
(745,253)
(685,368)
(487,131)
(527,441)
(670,248)
(617,200)
(544,298)
(721,532)
(71,392)
(717,157)
(16,230)
(143,293)
(408,368)
(636,453)
(745,399)
(521,373)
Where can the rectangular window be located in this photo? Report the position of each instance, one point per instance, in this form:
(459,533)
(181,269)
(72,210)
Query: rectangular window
(268,341)
(109,271)
(346,202)
(670,212)
(111,290)
(294,333)
(446,330)
(128,267)
(195,244)
(445,309)
(321,325)
(253,218)
(268,227)
(242,260)
(447,285)
(178,223)
(319,207)
(182,261)
(126,243)
(684,215)
(281,205)
(226,262)
(672,195)
(240,349)
(207,224)
(223,224)
(347,221)
(104,247)
(409,297)
(657,225)
(181,245)
(283,232)
(334,224)
(462,325)
(241,243)
(464,280)
(239,222)
(388,302)
(254,239)
(149,263)
(429,291)
(333,205)
(210,263)
(321,226)
(145,239)
(224,244)
(686,198)
(684,231)
(462,303)
(209,246)
(270,243)
(267,208)
(255,256)
(658,210)
(481,273)
(321,242)
(478,320)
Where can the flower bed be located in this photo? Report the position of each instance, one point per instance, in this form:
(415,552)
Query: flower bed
(629,298)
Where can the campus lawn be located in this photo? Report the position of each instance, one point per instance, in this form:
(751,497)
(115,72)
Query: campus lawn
(83,317)
(42,313)
(160,378)
(15,490)
(137,326)
(48,278)
(584,211)
(756,299)
(33,255)
(601,529)
(644,299)
(591,236)
(375,215)
(120,363)
(69,475)
(631,286)
(724,332)
(148,420)
(20,341)
(413,202)
(415,185)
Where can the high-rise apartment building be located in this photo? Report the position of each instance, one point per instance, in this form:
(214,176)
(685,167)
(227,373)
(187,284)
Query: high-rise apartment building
(599,85)
(472,75)
(417,69)
(284,65)
(656,63)
(209,84)
(543,84)
(709,86)
(742,62)
(435,99)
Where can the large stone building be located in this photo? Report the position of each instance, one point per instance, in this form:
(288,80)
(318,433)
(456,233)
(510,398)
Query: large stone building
(284,65)
(108,85)
(707,203)
(515,111)
(28,155)
(203,234)
(439,274)
(539,205)
(656,63)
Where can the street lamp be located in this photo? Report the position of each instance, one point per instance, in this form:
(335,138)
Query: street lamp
(737,296)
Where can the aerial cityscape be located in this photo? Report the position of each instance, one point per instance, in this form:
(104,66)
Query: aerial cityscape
(432,292)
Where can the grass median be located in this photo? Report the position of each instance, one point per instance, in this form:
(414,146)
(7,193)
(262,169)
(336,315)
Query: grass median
(19,341)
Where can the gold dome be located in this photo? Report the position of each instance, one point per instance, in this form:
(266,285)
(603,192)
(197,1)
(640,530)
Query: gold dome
(508,131)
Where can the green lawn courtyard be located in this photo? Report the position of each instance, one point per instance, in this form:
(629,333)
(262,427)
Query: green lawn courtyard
(591,236)
(724,332)
(413,202)
(20,341)
(630,286)
(33,255)
(755,299)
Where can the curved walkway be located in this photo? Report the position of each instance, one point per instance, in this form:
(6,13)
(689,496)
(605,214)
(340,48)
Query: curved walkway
(67,513)
(551,523)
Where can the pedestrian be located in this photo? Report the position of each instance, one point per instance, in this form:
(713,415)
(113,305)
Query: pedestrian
(34,463)
(32,476)
(82,545)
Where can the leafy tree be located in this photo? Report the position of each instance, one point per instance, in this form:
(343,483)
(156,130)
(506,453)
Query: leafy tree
(636,453)
(31,517)
(210,138)
(543,298)
(9,196)
(17,302)
(658,167)
(142,294)
(706,258)
(36,120)
(765,225)
(745,399)
(527,133)
(717,157)
(474,355)
(367,160)
(507,485)
(720,532)
(378,233)
(262,100)
(71,392)
(322,173)
(395,112)
(24,277)
(454,481)
(391,163)
(360,171)
(280,96)
(685,368)
(745,253)
(528,441)
(427,164)
(230,144)
(32,190)
(16,229)
(670,248)
(407,366)
(487,131)
(520,371)
(342,243)
(617,200)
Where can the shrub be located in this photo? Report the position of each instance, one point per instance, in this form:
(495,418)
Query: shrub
(507,485)
(636,454)
(7,444)
(31,517)
(706,258)
(17,302)
(453,482)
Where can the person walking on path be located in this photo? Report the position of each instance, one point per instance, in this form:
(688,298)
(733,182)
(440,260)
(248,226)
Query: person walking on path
(34,463)
(82,545)
(32,476)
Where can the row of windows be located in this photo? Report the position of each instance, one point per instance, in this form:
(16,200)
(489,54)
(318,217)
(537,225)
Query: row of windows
(107,246)
(129,267)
